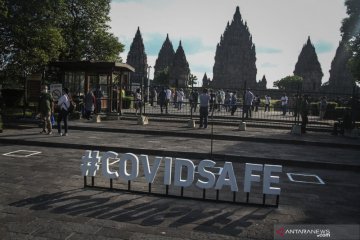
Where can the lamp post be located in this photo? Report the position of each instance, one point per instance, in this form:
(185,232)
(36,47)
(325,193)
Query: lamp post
(148,83)
(142,95)
(192,94)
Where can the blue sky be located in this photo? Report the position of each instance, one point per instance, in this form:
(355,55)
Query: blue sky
(279,30)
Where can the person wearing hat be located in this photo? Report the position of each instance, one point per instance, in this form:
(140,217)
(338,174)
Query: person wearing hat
(63,104)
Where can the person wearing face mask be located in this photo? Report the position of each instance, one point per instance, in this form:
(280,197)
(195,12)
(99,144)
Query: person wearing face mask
(46,108)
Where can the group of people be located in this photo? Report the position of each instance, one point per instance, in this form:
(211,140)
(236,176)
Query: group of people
(64,105)
(46,109)
(208,101)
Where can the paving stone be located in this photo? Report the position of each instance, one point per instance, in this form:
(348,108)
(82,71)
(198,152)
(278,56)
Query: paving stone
(43,196)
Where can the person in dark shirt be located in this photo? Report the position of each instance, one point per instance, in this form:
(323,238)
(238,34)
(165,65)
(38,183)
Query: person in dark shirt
(162,100)
(46,108)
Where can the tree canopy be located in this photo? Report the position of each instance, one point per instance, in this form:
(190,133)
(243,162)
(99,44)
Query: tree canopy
(350,30)
(192,80)
(35,32)
(289,83)
(162,77)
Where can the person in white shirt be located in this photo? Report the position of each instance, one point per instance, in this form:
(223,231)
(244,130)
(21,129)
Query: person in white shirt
(284,103)
(63,104)
(168,98)
(267,103)
(180,98)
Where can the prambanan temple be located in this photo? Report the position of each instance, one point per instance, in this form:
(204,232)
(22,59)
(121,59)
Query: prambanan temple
(341,79)
(235,56)
(137,58)
(174,63)
(308,67)
(235,62)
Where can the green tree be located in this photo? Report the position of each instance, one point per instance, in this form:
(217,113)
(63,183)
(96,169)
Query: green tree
(192,80)
(35,32)
(350,30)
(162,78)
(85,31)
(30,38)
(289,83)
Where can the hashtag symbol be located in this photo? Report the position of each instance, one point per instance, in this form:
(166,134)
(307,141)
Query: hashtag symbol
(90,163)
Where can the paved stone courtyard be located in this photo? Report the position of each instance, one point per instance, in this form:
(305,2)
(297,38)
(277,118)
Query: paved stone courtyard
(43,197)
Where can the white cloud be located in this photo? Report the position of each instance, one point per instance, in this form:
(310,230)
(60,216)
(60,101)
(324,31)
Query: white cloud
(275,24)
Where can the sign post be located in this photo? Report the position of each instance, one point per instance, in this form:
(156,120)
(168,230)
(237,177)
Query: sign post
(56,91)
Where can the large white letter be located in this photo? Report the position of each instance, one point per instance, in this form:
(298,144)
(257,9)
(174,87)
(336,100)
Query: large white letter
(231,181)
(249,177)
(90,163)
(268,179)
(167,170)
(150,173)
(134,166)
(206,174)
(179,163)
(105,165)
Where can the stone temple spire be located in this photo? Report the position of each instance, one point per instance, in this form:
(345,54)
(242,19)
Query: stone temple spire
(235,56)
(341,79)
(137,58)
(205,81)
(308,67)
(180,71)
(165,58)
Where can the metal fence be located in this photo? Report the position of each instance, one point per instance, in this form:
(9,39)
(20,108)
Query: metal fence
(220,111)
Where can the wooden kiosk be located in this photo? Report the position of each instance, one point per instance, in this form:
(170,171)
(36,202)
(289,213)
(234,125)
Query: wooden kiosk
(82,76)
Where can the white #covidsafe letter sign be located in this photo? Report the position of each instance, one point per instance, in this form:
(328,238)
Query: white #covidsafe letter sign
(91,161)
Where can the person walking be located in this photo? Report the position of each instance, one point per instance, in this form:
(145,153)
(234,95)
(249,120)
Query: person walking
(267,103)
(46,109)
(233,103)
(168,99)
(284,103)
(204,108)
(162,99)
(257,102)
(180,98)
(194,99)
(63,104)
(248,101)
(138,101)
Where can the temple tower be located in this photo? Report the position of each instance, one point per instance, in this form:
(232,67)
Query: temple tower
(137,58)
(205,81)
(179,71)
(309,68)
(341,80)
(261,85)
(235,56)
(165,58)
